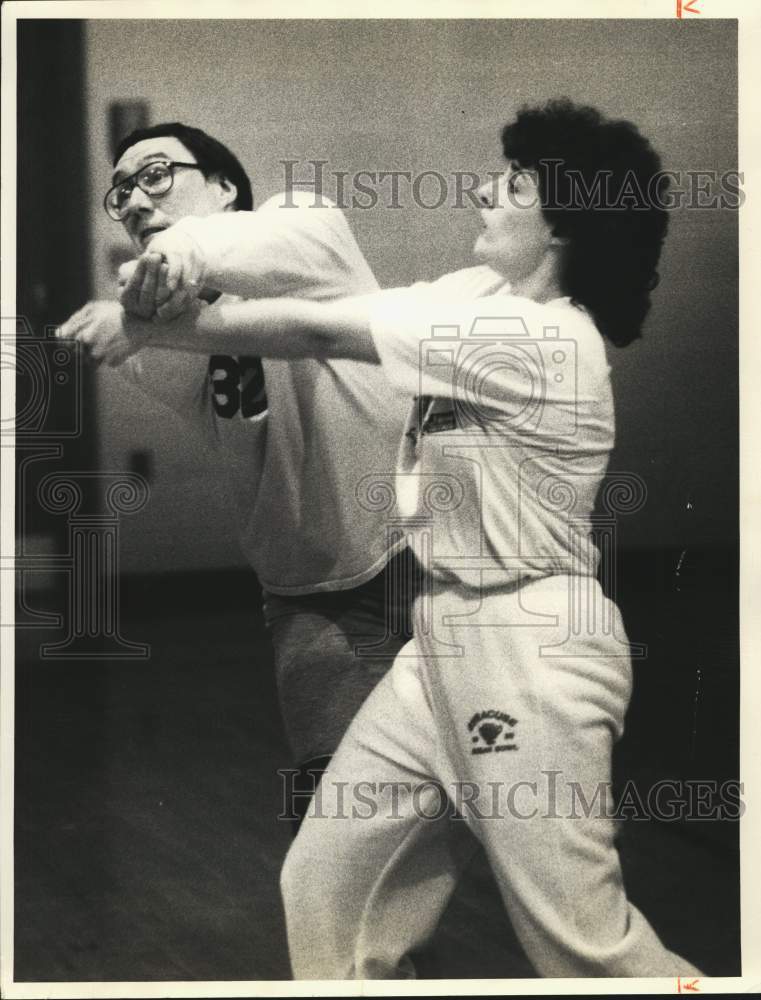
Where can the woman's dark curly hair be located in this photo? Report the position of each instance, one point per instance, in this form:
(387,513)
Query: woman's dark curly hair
(601,188)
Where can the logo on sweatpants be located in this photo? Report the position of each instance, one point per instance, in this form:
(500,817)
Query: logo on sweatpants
(492,732)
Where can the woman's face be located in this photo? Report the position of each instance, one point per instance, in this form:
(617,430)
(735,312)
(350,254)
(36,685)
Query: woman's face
(515,234)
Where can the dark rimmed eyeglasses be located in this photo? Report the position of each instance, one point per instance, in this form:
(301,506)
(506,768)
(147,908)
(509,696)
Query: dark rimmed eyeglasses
(153,179)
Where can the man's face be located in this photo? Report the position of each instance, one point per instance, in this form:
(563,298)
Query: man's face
(515,234)
(191,193)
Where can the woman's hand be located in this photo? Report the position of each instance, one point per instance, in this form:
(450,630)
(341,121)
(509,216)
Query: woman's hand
(107,332)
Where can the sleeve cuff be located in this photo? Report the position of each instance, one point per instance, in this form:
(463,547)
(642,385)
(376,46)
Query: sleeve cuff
(397,330)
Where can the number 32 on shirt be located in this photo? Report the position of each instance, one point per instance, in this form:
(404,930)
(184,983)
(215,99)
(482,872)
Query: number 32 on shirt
(237,385)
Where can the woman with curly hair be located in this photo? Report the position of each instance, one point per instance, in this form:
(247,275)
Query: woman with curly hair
(505,707)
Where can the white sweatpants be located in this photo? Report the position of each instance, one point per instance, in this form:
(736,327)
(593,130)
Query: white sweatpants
(518,730)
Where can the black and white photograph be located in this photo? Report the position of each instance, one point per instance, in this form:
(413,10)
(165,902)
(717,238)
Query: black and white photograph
(374,544)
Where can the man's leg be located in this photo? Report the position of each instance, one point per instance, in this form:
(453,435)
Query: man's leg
(301,787)
(378,855)
(323,669)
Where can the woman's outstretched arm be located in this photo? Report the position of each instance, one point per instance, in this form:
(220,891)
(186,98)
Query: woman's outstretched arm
(271,328)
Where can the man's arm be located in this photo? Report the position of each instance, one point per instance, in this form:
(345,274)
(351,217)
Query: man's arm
(301,251)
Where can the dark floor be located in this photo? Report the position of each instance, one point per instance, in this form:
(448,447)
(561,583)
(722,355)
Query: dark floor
(147,846)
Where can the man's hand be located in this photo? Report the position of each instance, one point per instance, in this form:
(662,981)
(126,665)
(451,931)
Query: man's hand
(166,280)
(142,285)
(109,333)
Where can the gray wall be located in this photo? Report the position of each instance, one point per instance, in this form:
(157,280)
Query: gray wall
(432,95)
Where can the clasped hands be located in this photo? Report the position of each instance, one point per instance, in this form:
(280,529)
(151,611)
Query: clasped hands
(161,285)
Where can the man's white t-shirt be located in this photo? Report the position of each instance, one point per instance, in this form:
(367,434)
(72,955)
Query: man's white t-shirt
(302,449)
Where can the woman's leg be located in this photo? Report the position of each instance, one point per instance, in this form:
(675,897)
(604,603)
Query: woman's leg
(529,722)
(370,873)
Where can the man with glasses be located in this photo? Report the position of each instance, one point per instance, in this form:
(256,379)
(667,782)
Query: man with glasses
(297,440)
(508,666)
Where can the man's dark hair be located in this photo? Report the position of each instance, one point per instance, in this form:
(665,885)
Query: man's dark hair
(601,188)
(212,157)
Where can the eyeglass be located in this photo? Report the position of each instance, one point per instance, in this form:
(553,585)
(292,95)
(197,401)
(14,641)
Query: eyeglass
(153,179)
